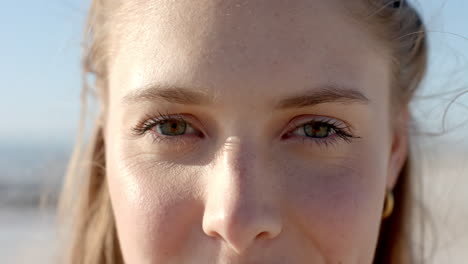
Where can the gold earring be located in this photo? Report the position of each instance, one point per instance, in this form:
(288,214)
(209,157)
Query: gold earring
(388,205)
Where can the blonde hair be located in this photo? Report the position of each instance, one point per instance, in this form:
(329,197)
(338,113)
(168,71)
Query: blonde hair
(90,232)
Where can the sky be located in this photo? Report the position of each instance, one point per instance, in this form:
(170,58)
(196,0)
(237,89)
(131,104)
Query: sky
(40,65)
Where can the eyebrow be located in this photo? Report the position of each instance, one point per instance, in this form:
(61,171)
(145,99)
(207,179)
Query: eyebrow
(326,94)
(190,96)
(171,94)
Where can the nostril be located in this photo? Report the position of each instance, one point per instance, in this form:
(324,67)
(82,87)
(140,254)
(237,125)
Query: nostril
(213,234)
(264,235)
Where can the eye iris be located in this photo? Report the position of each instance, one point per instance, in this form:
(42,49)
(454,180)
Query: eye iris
(317,130)
(172,128)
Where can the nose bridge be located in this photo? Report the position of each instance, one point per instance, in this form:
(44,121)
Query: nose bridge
(240,206)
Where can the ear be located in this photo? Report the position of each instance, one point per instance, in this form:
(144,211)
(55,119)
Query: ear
(399,146)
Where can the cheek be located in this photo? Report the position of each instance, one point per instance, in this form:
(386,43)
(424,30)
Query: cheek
(337,204)
(333,203)
(155,206)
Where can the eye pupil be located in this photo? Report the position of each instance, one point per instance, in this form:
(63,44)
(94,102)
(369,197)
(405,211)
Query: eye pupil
(317,130)
(172,128)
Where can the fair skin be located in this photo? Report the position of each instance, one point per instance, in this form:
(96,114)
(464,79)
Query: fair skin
(244,179)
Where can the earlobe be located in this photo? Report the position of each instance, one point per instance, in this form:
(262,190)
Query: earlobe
(399,148)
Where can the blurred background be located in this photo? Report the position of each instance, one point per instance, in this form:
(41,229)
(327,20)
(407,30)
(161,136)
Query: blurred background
(40,106)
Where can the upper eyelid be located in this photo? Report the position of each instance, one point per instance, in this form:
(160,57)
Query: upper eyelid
(190,120)
(300,121)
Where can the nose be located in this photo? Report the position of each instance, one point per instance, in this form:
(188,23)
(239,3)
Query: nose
(241,204)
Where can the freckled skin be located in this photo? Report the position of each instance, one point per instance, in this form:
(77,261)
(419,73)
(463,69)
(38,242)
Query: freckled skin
(242,194)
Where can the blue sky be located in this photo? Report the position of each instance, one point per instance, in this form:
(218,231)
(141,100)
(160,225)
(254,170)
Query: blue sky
(40,64)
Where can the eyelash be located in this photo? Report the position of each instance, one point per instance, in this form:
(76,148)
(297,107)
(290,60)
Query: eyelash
(151,122)
(340,130)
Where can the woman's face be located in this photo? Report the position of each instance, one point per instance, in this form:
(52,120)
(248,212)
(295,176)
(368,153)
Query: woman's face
(248,132)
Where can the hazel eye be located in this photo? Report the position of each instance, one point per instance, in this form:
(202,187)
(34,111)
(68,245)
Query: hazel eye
(317,129)
(171,127)
(323,130)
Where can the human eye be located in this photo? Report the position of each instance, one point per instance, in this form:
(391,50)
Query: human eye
(320,130)
(164,127)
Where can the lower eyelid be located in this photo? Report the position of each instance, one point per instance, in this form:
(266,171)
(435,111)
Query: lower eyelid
(333,139)
(174,139)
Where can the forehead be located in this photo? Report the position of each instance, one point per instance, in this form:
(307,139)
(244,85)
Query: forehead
(244,47)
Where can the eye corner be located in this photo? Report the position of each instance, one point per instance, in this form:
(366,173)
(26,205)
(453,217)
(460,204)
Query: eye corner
(285,136)
(137,130)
